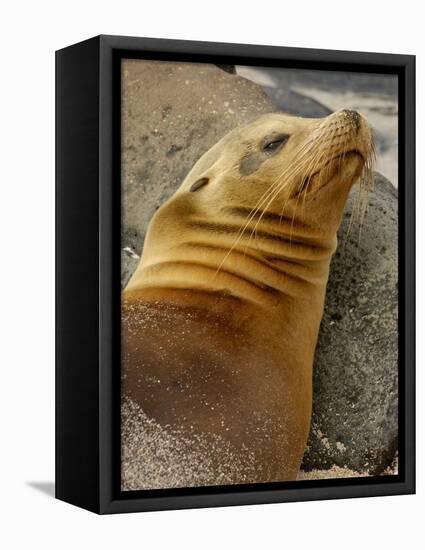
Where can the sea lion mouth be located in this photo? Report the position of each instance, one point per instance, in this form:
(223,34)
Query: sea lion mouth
(324,175)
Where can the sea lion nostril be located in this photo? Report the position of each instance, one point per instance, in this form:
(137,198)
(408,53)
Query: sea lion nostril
(354,116)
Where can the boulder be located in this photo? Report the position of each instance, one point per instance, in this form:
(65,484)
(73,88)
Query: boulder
(355,379)
(297,104)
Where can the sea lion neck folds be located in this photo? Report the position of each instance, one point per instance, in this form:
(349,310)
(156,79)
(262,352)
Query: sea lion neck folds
(254,222)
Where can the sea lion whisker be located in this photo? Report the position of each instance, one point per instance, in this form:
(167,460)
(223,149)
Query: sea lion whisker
(366,183)
(244,226)
(362,197)
(294,169)
(275,189)
(261,201)
(318,154)
(317,159)
(310,171)
(309,147)
(275,194)
(292,191)
(314,163)
(291,169)
(307,170)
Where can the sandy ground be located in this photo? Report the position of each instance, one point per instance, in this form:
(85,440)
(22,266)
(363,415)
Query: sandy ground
(153,458)
(332,473)
(337,472)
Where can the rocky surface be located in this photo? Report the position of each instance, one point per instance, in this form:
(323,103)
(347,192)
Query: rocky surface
(166,128)
(355,406)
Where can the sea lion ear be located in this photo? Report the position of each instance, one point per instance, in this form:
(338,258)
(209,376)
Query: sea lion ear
(198,184)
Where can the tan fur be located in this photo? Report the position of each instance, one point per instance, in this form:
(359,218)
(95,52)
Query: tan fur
(232,279)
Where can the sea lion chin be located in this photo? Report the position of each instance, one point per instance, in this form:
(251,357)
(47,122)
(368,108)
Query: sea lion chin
(221,317)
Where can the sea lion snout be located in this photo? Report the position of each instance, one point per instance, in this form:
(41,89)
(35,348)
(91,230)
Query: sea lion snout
(344,132)
(348,119)
(354,116)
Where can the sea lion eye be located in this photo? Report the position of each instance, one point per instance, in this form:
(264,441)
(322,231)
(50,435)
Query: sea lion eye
(275,143)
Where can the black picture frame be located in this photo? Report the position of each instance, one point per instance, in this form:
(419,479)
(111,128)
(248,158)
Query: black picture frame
(88,274)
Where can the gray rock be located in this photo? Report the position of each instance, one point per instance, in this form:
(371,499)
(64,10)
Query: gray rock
(295,103)
(355,404)
(165,131)
(338,81)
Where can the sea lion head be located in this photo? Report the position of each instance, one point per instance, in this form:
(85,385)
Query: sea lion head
(273,189)
(279,163)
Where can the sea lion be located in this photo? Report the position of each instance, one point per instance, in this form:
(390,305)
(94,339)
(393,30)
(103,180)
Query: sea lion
(221,317)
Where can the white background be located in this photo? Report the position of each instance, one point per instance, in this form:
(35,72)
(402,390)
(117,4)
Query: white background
(29,34)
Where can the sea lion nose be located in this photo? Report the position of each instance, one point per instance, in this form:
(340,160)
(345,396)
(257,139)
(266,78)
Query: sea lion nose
(354,116)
